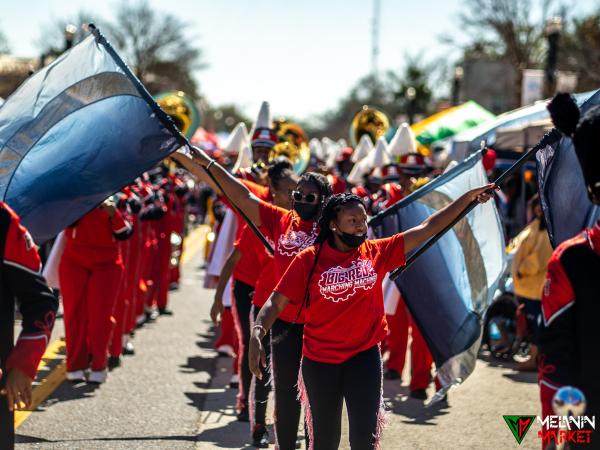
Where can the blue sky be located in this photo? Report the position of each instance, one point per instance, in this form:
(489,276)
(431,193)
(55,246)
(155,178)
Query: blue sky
(302,56)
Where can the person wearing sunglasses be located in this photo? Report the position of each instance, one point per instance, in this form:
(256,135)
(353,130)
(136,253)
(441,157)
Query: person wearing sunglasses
(291,232)
(338,284)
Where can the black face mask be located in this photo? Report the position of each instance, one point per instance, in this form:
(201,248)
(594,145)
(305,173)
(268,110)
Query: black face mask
(306,211)
(351,240)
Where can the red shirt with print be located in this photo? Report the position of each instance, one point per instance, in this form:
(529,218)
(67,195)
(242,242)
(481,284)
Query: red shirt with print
(254,256)
(291,235)
(247,269)
(345,313)
(265,285)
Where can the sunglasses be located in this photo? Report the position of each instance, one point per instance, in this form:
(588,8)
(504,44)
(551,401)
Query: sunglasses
(307,198)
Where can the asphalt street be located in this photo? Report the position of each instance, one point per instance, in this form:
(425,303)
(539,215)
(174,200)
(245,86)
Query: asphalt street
(173,394)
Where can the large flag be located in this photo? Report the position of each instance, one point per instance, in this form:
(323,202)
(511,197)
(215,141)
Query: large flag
(76,132)
(565,202)
(448,288)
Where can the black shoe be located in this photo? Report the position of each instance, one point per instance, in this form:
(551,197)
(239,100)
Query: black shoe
(419,394)
(391,374)
(114,362)
(128,349)
(165,312)
(151,316)
(243,416)
(173,286)
(260,437)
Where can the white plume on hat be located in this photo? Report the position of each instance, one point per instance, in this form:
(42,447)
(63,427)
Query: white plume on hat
(316,148)
(330,147)
(377,157)
(263,120)
(364,146)
(403,142)
(237,139)
(244,159)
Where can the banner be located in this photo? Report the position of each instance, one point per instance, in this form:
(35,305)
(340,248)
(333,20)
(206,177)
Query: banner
(449,287)
(76,132)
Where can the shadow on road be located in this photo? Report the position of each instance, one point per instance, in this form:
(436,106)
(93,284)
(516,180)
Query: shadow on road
(414,411)
(24,439)
(227,436)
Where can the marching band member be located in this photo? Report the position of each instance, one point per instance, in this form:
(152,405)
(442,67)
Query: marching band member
(23,285)
(90,273)
(291,231)
(337,283)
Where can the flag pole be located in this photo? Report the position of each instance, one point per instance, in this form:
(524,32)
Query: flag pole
(549,138)
(169,124)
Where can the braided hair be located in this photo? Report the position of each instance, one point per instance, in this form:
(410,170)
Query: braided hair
(279,169)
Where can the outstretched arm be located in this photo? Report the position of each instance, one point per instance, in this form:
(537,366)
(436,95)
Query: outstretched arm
(239,194)
(420,234)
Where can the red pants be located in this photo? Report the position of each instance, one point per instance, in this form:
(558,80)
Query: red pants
(397,340)
(228,335)
(420,360)
(164,259)
(89,281)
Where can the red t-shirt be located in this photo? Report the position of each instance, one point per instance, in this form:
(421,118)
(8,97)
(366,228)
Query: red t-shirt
(345,315)
(291,235)
(265,284)
(254,256)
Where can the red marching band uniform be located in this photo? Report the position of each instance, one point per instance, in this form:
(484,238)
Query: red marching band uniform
(20,280)
(90,273)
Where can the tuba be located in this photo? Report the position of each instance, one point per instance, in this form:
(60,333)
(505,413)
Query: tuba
(369,121)
(181,108)
(293,144)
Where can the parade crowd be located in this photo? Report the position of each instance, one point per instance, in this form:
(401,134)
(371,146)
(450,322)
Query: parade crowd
(302,301)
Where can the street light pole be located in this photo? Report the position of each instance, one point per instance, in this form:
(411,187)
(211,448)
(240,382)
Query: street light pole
(552,30)
(410,94)
(456,84)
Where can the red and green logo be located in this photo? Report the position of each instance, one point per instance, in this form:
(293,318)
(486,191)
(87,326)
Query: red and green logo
(519,426)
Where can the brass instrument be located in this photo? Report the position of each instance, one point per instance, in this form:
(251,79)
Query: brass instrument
(369,121)
(293,144)
(181,108)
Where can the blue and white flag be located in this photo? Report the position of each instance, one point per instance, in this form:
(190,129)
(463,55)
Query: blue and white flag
(563,193)
(76,132)
(448,288)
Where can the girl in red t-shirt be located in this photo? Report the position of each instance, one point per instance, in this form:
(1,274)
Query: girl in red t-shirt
(246,264)
(291,232)
(338,283)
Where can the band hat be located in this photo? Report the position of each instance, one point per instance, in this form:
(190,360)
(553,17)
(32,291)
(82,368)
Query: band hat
(377,157)
(264,137)
(263,120)
(387,173)
(413,163)
(244,159)
(316,148)
(364,146)
(330,151)
(237,139)
(380,155)
(403,142)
